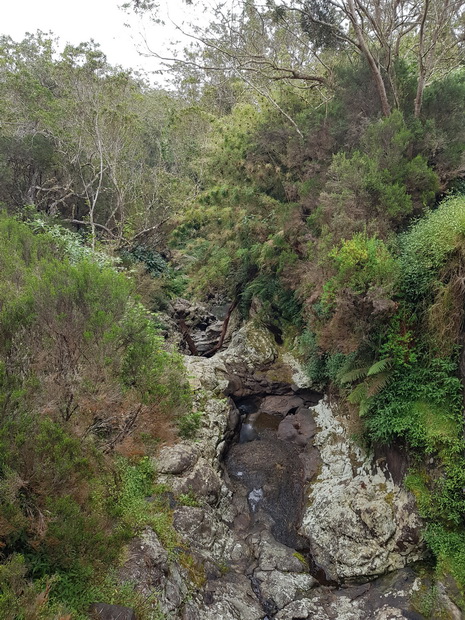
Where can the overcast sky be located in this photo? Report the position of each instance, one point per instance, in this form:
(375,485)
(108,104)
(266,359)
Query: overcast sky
(101,20)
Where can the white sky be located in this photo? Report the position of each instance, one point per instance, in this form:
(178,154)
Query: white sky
(74,21)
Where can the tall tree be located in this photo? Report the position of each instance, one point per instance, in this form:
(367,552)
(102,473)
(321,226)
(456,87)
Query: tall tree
(270,41)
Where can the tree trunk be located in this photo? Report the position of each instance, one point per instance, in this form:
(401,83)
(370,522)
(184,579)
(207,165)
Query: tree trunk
(375,70)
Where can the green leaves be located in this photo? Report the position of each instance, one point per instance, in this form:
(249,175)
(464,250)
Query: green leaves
(380,366)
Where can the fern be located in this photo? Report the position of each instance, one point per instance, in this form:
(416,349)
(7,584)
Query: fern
(375,378)
(354,375)
(358,394)
(378,382)
(380,366)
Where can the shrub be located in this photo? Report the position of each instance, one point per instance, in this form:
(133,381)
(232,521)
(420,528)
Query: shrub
(425,248)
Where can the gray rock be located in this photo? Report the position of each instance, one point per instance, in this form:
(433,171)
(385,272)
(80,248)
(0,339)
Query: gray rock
(280,405)
(272,555)
(148,568)
(146,564)
(203,481)
(176,459)
(248,433)
(102,611)
(230,598)
(208,535)
(283,588)
(360,523)
(299,428)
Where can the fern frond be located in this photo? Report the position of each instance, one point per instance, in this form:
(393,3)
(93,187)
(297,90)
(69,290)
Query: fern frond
(354,375)
(380,366)
(364,407)
(358,394)
(377,383)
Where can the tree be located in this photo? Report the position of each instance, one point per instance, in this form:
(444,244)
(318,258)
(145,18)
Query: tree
(89,142)
(292,41)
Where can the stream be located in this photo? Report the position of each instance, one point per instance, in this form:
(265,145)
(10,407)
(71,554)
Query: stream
(291,519)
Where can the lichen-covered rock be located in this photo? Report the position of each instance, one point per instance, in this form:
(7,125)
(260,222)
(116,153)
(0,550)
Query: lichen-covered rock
(176,459)
(251,347)
(203,482)
(360,523)
(148,567)
(283,588)
(146,563)
(273,555)
(210,536)
(229,598)
(207,373)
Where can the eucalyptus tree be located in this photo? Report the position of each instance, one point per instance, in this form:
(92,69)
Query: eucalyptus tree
(298,41)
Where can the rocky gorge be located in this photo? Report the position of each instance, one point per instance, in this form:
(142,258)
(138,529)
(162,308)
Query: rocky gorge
(288,518)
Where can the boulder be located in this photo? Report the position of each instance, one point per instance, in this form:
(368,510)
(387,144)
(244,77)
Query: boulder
(230,598)
(280,405)
(283,588)
(146,563)
(203,482)
(102,611)
(359,522)
(299,428)
(176,459)
(210,536)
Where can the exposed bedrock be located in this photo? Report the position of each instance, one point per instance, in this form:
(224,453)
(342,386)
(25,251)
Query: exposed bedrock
(292,519)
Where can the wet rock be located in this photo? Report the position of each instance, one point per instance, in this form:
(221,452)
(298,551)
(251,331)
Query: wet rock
(271,471)
(102,611)
(281,405)
(311,462)
(299,428)
(176,459)
(247,433)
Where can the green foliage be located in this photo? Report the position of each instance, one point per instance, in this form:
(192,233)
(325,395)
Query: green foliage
(188,499)
(314,360)
(422,403)
(360,263)
(444,133)
(449,547)
(156,374)
(153,261)
(189,424)
(427,245)
(377,190)
(65,508)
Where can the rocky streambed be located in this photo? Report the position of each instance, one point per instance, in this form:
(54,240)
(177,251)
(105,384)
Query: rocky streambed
(291,520)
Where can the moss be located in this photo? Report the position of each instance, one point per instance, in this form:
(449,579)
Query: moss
(301,558)
(195,569)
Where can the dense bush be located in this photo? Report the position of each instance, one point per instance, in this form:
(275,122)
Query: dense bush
(80,360)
